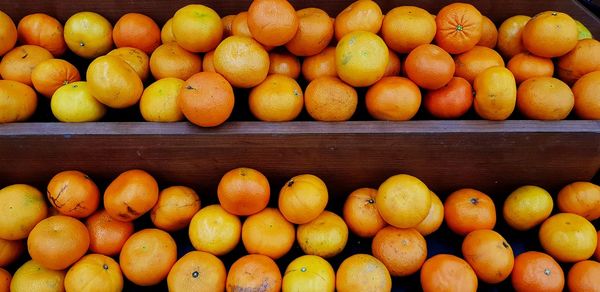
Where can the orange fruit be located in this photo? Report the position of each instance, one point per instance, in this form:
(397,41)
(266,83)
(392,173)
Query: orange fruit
(495,94)
(393,66)
(545,98)
(94,272)
(277,99)
(58,241)
(206,99)
(134,57)
(325,236)
(22,207)
(18,64)
(88,34)
(243,191)
(474,61)
(114,82)
(393,99)
(361,214)
(525,65)
(285,64)
(315,31)
(303,198)
(8,33)
(214,230)
(581,198)
(434,218)
(489,254)
(587,100)
(130,195)
(361,58)
(362,272)
(147,257)
(74,103)
(527,207)
(402,251)
(166,33)
(107,235)
(489,34)
(583,276)
(550,34)
(42,30)
(32,276)
(272,22)
(208,63)
(329,99)
(597,252)
(49,75)
(227,25)
(242,61)
(159,101)
(197,271)
(5,279)
(568,237)
(73,193)
(268,233)
(363,15)
(536,271)
(308,273)
(581,60)
(403,201)
(451,101)
(254,272)
(445,272)
(10,251)
(510,35)
(138,31)
(407,27)
(467,210)
(429,66)
(239,25)
(175,208)
(459,27)
(171,60)
(319,65)
(197,28)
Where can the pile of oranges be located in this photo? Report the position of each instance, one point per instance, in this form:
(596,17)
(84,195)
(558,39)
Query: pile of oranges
(545,66)
(77,239)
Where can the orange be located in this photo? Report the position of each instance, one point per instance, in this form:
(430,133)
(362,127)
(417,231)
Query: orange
(214,230)
(429,66)
(22,207)
(393,99)
(362,15)
(581,198)
(171,60)
(403,201)
(361,214)
(583,276)
(451,101)
(268,233)
(197,28)
(58,241)
(587,100)
(495,94)
(138,31)
(568,237)
(467,210)
(49,75)
(489,34)
(308,273)
(166,33)
(242,61)
(362,272)
(159,101)
(208,63)
(285,64)
(243,191)
(459,27)
(73,193)
(74,103)
(536,271)
(8,33)
(445,272)
(147,257)
(303,198)
(175,208)
(489,254)
(581,60)
(107,235)
(527,207)
(32,276)
(130,195)
(474,61)
(315,31)
(393,66)
(402,251)
(114,82)
(407,27)
(510,35)
(277,99)
(550,34)
(434,218)
(329,99)
(239,25)
(545,98)
(18,64)
(5,279)
(361,58)
(325,236)
(88,34)
(136,58)
(42,30)
(10,251)
(272,22)
(525,65)
(206,99)
(254,272)
(94,272)
(319,65)
(197,271)
(227,25)
(597,252)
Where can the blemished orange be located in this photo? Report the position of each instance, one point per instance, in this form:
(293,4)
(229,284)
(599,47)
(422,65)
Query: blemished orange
(42,30)
(147,256)
(214,230)
(489,254)
(394,65)
(402,251)
(227,21)
(451,101)
(545,98)
(272,22)
(315,31)
(568,238)
(429,66)
(49,75)
(285,64)
(107,235)
(489,33)
(325,236)
(254,272)
(23,206)
(309,272)
(459,27)
(466,210)
(242,61)
(510,35)
(88,34)
(8,33)
(197,271)
(363,15)
(393,99)
(527,207)
(206,99)
(243,191)
(474,61)
(18,64)
(445,272)
(536,271)
(208,63)
(277,99)
(5,279)
(138,31)
(303,198)
(583,276)
(268,233)
(171,60)
(32,276)
(10,251)
(362,272)
(587,99)
(73,193)
(361,214)
(526,65)
(403,201)
(361,58)
(113,82)
(329,99)
(550,34)
(319,65)
(495,94)
(582,59)
(130,195)
(434,218)
(94,272)
(197,28)
(239,25)
(166,32)
(407,27)
(58,242)
(175,208)
(136,58)
(581,198)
